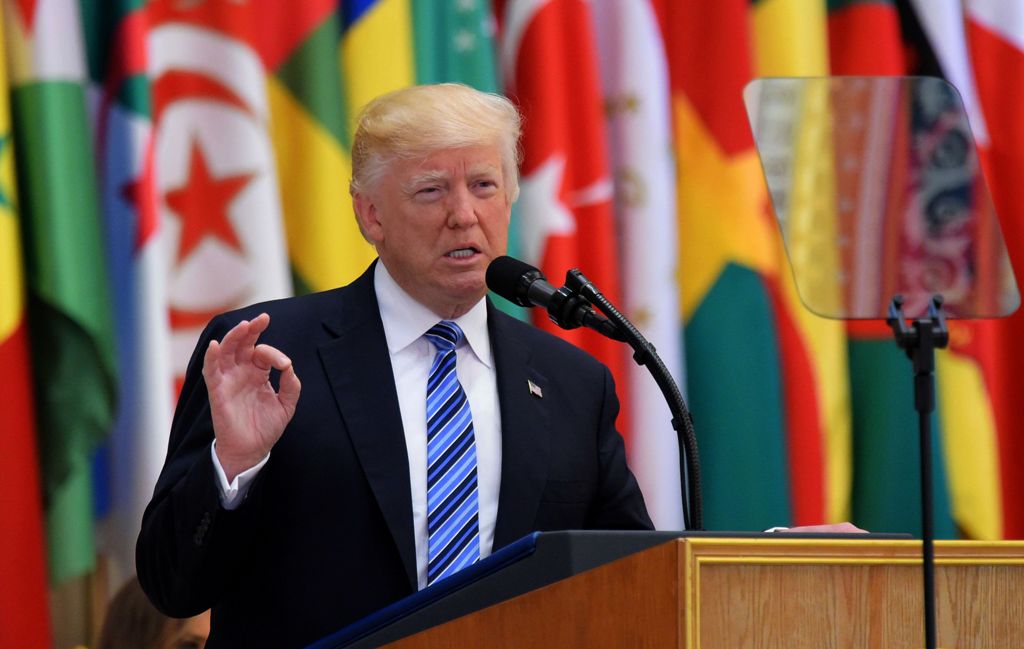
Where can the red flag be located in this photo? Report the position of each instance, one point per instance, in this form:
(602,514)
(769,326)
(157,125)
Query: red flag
(565,206)
(24,613)
(995,34)
(217,180)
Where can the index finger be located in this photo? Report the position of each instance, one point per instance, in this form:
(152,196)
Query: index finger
(241,336)
(247,340)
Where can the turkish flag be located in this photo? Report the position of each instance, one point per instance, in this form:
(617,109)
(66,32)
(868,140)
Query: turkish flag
(565,205)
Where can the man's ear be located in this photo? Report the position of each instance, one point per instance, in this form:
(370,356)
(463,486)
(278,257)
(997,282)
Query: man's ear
(367,217)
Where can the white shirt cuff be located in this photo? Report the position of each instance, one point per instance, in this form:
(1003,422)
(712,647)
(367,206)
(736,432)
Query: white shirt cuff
(232,495)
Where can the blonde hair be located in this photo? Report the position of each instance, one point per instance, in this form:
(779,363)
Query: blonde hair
(416,121)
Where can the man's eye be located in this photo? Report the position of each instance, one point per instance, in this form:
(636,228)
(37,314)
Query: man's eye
(428,192)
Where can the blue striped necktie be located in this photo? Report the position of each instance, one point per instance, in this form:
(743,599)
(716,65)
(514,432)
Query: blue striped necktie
(453,528)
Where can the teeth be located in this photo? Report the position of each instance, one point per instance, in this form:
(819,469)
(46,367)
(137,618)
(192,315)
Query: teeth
(461,253)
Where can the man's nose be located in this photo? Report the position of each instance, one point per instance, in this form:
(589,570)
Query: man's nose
(461,209)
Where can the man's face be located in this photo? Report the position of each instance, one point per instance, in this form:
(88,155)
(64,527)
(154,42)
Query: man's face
(437,222)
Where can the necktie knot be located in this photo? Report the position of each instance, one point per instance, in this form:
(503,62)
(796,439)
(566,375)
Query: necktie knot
(445,335)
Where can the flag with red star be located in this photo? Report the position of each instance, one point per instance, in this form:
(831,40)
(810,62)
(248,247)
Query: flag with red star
(201,205)
(217,186)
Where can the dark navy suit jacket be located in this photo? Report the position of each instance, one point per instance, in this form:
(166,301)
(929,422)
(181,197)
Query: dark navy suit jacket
(325,534)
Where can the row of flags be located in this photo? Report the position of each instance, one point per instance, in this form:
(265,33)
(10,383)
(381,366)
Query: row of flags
(163,161)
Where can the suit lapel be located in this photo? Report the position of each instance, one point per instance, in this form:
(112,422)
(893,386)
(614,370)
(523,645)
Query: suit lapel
(524,422)
(358,367)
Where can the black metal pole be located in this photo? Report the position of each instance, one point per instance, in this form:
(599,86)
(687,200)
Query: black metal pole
(919,342)
(924,387)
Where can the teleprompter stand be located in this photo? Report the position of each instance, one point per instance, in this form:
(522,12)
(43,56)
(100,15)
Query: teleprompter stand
(920,341)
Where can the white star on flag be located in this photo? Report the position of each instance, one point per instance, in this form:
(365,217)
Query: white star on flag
(464,41)
(542,213)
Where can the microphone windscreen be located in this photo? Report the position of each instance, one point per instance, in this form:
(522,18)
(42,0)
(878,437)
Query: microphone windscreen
(510,278)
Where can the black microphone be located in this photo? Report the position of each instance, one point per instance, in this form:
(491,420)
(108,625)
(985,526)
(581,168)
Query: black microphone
(522,284)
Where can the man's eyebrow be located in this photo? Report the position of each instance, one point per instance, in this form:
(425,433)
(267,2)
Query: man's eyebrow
(427,177)
(483,169)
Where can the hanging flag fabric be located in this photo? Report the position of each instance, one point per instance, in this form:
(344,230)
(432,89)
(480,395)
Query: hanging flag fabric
(864,39)
(115,40)
(454,42)
(549,66)
(68,303)
(995,34)
(376,49)
(726,251)
(310,120)
(217,182)
(24,614)
(634,74)
(790,40)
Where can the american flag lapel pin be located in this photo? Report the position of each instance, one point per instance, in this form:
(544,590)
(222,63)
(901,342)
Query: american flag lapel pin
(534,389)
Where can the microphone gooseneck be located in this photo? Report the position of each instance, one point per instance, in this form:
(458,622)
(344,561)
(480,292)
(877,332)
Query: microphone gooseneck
(572,306)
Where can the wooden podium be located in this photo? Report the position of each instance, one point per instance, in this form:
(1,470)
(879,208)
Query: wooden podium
(789,593)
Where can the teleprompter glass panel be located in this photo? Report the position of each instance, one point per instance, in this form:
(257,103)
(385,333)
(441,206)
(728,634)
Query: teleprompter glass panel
(878,191)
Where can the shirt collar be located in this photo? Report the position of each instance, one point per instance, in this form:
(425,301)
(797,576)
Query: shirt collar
(406,320)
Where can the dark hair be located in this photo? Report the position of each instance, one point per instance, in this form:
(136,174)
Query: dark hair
(132,622)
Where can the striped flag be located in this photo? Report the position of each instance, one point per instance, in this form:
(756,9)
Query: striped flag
(24,615)
(864,38)
(634,74)
(727,249)
(309,131)
(119,94)
(376,49)
(69,304)
(790,40)
(549,65)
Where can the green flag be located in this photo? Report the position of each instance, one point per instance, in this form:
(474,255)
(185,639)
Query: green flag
(68,301)
(454,42)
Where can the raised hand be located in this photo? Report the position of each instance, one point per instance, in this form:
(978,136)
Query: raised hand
(248,415)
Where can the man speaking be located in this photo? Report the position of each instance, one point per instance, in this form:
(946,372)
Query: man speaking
(334,452)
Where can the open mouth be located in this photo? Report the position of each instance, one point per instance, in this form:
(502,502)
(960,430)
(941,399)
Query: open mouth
(462,253)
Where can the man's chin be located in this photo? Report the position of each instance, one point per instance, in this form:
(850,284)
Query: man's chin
(466,290)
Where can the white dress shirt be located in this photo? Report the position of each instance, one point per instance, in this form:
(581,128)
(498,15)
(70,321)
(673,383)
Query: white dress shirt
(405,323)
